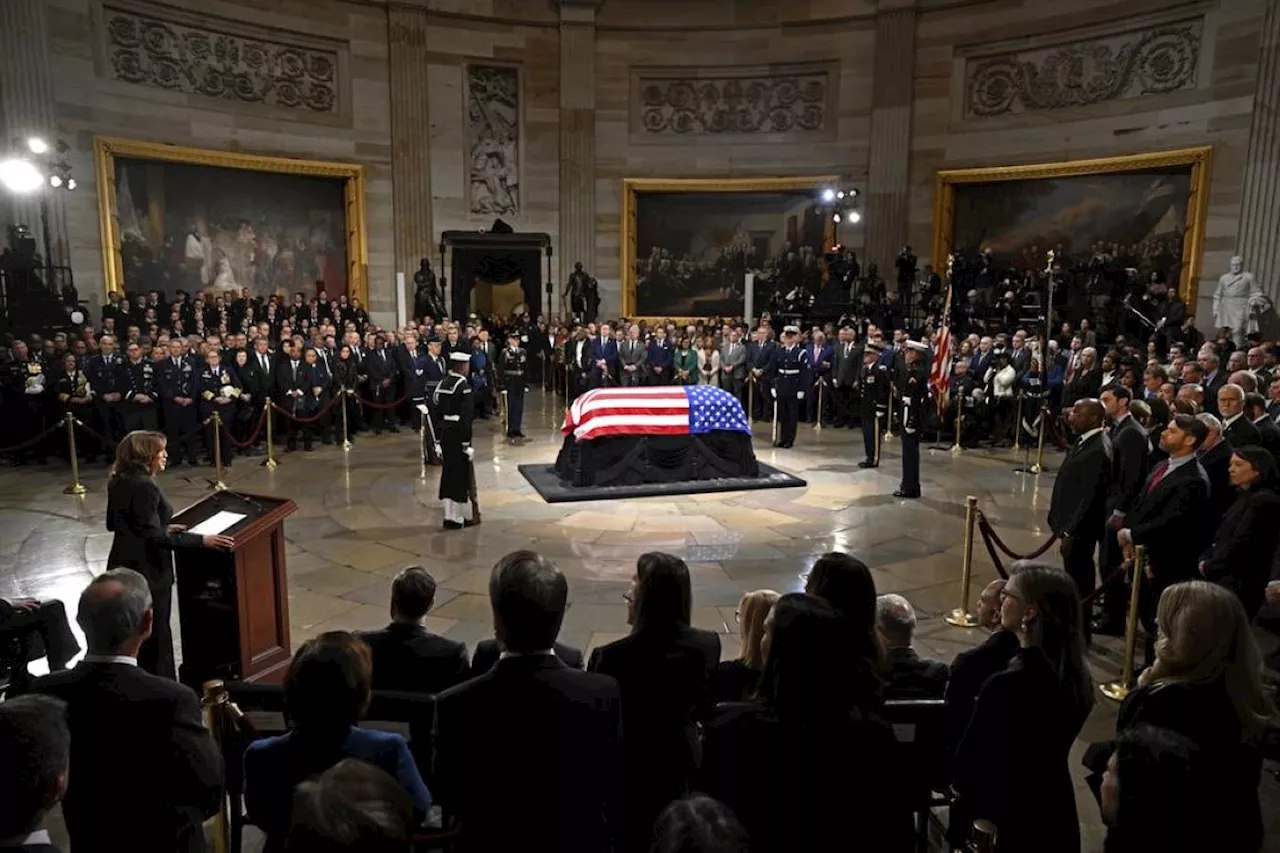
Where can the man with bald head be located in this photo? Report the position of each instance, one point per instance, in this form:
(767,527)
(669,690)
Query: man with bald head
(1078,507)
(1237,430)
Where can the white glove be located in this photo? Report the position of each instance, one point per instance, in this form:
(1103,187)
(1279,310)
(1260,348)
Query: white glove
(436,448)
(470,451)
(800,395)
(773,392)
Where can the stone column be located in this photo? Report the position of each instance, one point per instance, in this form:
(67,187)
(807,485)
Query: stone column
(577,139)
(890,147)
(27,109)
(1258,239)
(410,141)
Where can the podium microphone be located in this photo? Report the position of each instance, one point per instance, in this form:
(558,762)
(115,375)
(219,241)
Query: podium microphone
(262,510)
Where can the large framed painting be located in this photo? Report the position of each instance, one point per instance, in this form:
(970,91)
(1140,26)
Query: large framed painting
(218,222)
(1144,211)
(688,246)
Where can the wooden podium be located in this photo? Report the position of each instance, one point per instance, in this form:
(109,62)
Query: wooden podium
(233,606)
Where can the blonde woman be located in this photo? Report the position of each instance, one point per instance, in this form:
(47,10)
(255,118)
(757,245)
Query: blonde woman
(736,679)
(708,361)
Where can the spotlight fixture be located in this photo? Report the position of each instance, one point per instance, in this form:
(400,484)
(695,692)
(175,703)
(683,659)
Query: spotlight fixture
(855,216)
(37,145)
(840,194)
(20,176)
(835,217)
(55,181)
(828,195)
(71,183)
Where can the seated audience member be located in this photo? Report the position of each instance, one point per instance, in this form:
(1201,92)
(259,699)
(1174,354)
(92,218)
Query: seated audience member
(36,745)
(143,767)
(1150,794)
(698,825)
(1011,765)
(806,725)
(907,675)
(972,667)
(488,652)
(528,753)
(664,669)
(39,629)
(406,656)
(326,690)
(1240,556)
(351,806)
(846,583)
(736,680)
(1206,683)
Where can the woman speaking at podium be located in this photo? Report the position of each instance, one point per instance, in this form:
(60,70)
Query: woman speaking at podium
(139,515)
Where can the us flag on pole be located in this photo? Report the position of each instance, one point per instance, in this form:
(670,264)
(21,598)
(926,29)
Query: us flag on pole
(940,370)
(661,410)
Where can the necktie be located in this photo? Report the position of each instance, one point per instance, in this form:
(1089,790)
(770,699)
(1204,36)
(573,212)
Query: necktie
(1157,476)
(263,359)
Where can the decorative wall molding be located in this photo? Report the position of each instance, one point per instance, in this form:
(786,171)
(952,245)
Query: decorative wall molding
(167,49)
(493,119)
(1133,63)
(716,104)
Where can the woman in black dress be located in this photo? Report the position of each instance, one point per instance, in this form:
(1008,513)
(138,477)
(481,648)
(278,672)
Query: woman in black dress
(846,583)
(736,680)
(1240,556)
(139,516)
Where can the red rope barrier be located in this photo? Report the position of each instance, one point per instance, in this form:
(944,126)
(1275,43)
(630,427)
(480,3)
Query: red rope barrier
(382,406)
(991,540)
(983,522)
(253,439)
(317,416)
(32,442)
(93,433)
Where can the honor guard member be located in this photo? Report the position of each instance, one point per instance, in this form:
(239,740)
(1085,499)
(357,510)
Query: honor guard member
(913,391)
(138,408)
(873,401)
(218,389)
(790,385)
(434,370)
(454,407)
(177,386)
(513,363)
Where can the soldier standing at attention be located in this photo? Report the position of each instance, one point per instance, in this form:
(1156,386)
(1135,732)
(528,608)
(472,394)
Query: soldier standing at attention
(913,390)
(513,363)
(455,408)
(138,408)
(789,387)
(434,370)
(873,401)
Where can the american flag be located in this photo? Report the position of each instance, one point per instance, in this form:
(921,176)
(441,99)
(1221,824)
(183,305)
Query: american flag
(940,370)
(661,410)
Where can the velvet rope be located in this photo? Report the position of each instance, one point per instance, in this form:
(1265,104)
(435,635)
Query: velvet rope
(317,416)
(983,522)
(253,439)
(93,433)
(383,406)
(32,442)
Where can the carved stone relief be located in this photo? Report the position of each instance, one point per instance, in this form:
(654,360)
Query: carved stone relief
(168,54)
(493,139)
(1149,61)
(791,103)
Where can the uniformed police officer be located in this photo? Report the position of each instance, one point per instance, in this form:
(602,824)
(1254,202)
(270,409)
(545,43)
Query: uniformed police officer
(177,386)
(138,408)
(218,388)
(873,401)
(913,391)
(513,364)
(455,407)
(793,378)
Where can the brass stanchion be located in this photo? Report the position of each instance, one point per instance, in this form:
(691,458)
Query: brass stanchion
(270,462)
(817,419)
(956,449)
(542,374)
(346,438)
(503,397)
(775,419)
(961,617)
(984,836)
(1039,466)
(212,705)
(751,397)
(76,487)
(876,426)
(1118,690)
(218,485)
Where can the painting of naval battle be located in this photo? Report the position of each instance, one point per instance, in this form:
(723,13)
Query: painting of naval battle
(215,230)
(694,250)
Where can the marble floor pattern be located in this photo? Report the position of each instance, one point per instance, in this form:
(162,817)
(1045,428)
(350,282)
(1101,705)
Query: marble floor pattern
(365,514)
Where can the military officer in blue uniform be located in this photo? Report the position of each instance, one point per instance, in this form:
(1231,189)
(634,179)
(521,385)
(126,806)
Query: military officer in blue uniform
(913,391)
(218,389)
(792,380)
(177,387)
(873,401)
(513,364)
(138,408)
(434,369)
(106,378)
(455,408)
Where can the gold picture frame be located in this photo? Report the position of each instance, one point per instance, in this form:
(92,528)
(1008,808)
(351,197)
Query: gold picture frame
(1199,159)
(106,149)
(633,187)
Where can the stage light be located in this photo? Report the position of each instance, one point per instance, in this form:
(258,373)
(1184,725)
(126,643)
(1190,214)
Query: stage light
(20,176)
(853,193)
(828,195)
(55,181)
(71,183)
(835,218)
(840,194)
(37,145)
(855,217)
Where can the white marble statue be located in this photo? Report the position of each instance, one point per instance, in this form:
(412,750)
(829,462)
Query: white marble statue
(1237,290)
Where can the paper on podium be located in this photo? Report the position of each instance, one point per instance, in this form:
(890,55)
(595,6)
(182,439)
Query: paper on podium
(216,523)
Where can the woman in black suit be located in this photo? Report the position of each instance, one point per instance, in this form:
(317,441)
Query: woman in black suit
(664,669)
(1011,764)
(846,583)
(139,516)
(1240,556)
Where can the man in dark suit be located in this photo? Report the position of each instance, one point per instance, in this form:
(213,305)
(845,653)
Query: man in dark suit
(972,667)
(910,676)
(1255,409)
(1215,457)
(406,656)
(1213,380)
(290,383)
(1237,429)
(762,356)
(380,367)
(567,743)
(1130,462)
(1172,517)
(847,363)
(143,767)
(604,358)
(36,744)
(488,652)
(1078,507)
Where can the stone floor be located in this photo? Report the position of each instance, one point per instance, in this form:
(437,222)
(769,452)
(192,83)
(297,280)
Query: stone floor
(365,514)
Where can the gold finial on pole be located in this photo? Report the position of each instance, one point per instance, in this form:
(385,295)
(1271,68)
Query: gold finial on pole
(76,487)
(218,485)
(271,461)
(1118,690)
(961,617)
(346,438)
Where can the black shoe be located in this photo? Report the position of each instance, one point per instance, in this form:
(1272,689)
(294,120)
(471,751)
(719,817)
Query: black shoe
(786,445)
(394,428)
(452,525)
(867,463)
(289,448)
(908,495)
(467,522)
(307,447)
(193,462)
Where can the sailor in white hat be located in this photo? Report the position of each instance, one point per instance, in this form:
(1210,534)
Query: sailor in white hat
(454,408)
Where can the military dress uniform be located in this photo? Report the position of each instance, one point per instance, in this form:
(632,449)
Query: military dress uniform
(177,380)
(873,406)
(211,385)
(792,379)
(106,376)
(513,364)
(140,381)
(913,391)
(434,370)
(25,387)
(455,408)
